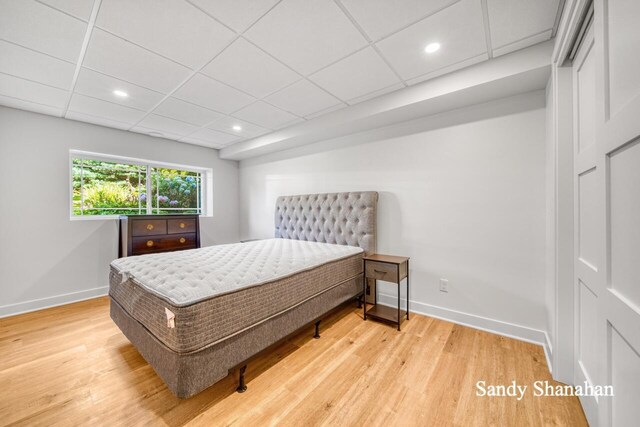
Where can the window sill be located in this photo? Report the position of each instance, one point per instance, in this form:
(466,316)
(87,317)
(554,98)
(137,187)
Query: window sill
(110,217)
(94,217)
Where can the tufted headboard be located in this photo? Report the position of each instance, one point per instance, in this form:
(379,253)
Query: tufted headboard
(340,218)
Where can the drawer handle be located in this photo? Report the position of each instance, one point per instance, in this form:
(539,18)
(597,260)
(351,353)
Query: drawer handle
(149,227)
(182,240)
(149,243)
(182,225)
(380,271)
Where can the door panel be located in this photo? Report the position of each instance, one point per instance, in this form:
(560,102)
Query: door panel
(588,350)
(617,151)
(589,225)
(588,221)
(623,59)
(624,214)
(586,96)
(625,379)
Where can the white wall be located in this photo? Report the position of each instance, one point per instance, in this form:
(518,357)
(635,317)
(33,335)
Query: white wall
(47,259)
(461,193)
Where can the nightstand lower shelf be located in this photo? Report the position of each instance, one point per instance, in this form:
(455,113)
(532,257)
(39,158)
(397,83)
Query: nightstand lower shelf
(389,314)
(388,268)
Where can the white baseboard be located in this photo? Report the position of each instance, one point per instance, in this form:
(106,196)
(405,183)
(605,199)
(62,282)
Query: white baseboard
(511,330)
(548,351)
(39,304)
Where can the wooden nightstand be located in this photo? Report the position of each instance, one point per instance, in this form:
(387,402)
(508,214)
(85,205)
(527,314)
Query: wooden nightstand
(390,269)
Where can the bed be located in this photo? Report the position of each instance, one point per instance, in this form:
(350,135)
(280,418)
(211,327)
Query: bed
(195,315)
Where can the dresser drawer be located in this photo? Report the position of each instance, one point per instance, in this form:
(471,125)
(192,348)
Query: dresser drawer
(141,245)
(148,227)
(181,226)
(381,271)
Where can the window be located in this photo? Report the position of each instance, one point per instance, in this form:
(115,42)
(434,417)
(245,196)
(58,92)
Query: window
(107,186)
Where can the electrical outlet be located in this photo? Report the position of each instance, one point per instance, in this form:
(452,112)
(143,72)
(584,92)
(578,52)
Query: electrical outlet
(444,285)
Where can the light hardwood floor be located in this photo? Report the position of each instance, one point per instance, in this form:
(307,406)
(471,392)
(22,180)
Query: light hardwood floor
(71,365)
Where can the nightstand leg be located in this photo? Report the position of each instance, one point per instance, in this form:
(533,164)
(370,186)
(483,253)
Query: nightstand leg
(364,297)
(399,318)
(407,289)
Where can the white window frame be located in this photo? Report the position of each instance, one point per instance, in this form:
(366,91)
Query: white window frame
(205,173)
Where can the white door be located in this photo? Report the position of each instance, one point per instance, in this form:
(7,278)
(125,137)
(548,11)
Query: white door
(589,224)
(607,212)
(617,37)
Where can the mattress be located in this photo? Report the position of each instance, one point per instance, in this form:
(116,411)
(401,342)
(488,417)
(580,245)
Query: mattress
(217,292)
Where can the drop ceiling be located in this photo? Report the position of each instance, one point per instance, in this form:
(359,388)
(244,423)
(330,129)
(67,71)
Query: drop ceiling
(218,72)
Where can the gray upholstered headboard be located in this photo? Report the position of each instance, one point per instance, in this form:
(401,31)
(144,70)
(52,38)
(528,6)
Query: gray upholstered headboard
(340,218)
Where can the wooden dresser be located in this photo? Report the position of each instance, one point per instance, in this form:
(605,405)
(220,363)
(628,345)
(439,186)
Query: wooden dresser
(144,234)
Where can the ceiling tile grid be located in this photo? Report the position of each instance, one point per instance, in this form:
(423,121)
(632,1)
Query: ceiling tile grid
(101,86)
(31,65)
(177,109)
(265,115)
(237,66)
(303,98)
(233,126)
(357,75)
(215,72)
(108,110)
(174,29)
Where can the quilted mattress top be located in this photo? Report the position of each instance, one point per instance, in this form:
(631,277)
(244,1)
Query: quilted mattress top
(186,277)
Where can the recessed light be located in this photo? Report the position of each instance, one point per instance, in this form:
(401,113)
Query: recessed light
(432,47)
(237,128)
(120,93)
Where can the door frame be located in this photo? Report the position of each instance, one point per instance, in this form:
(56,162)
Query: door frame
(562,202)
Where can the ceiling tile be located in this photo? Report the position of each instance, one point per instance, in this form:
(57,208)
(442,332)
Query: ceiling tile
(244,66)
(376,93)
(379,18)
(448,69)
(32,91)
(103,109)
(156,133)
(521,44)
(302,98)
(238,14)
(290,123)
(212,137)
(249,130)
(459,29)
(171,28)
(186,112)
(101,86)
(357,75)
(167,125)
(306,35)
(87,118)
(326,111)
(118,58)
(39,27)
(28,64)
(195,141)
(265,115)
(513,20)
(79,8)
(211,94)
(30,106)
